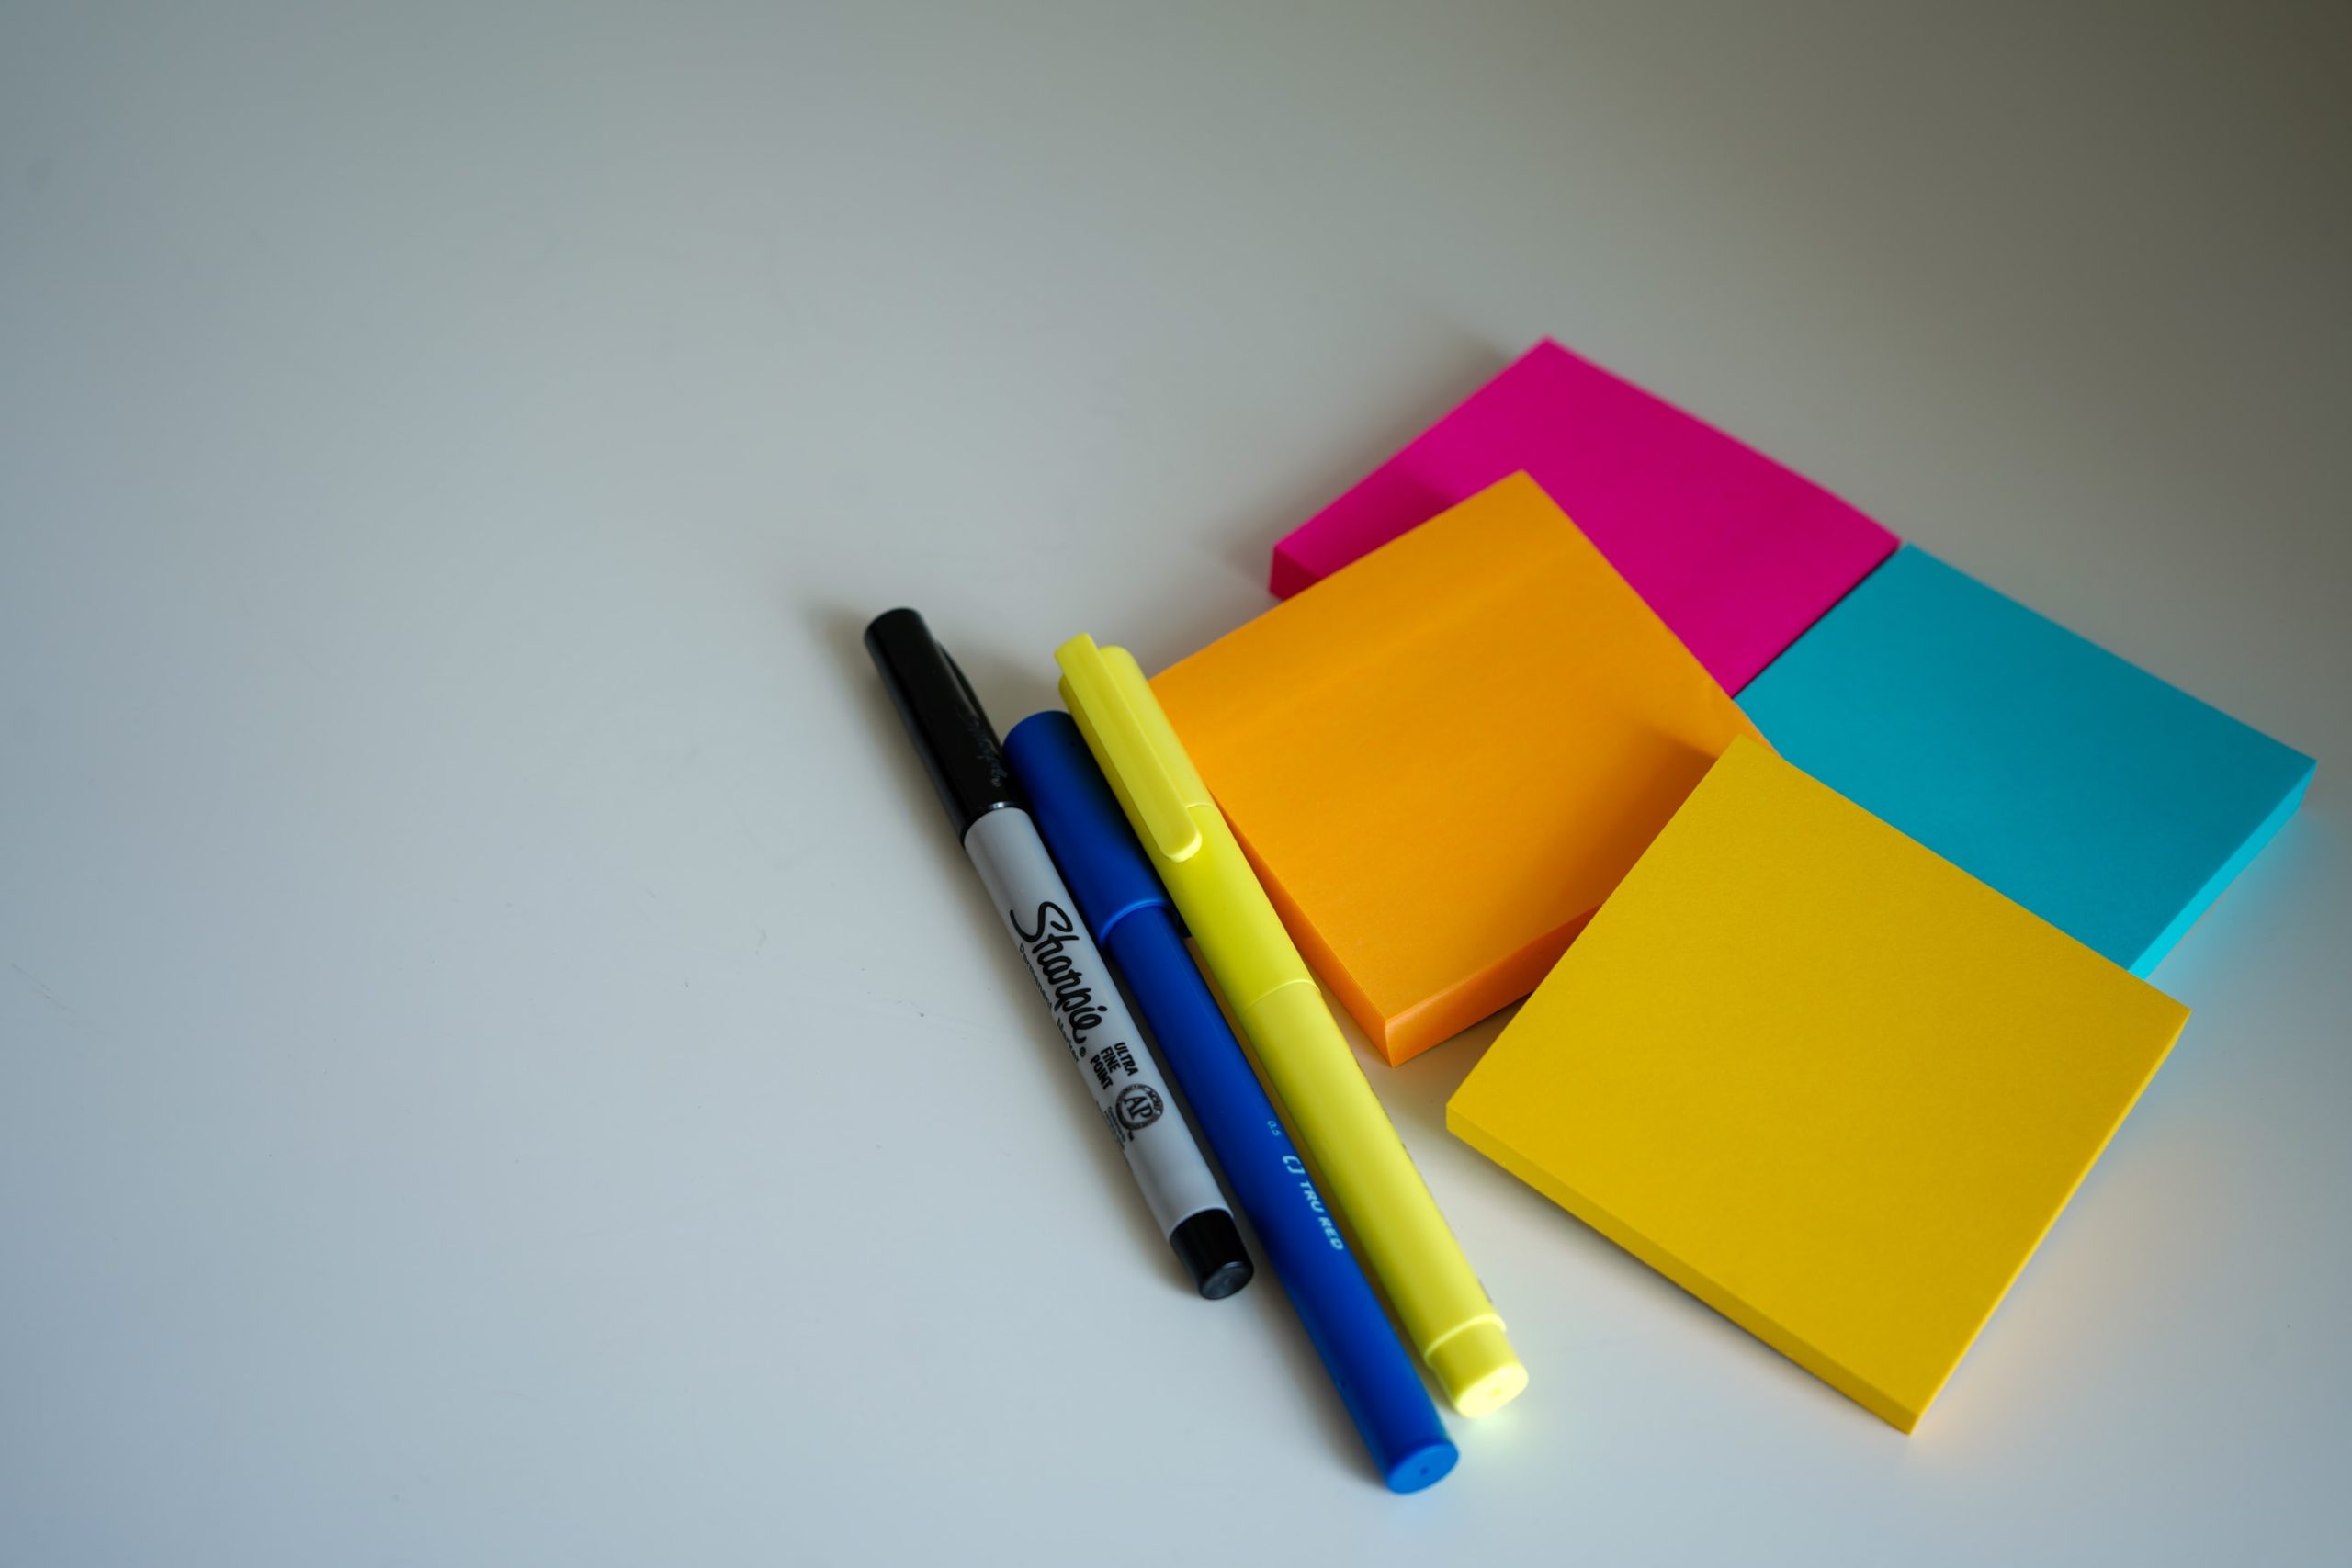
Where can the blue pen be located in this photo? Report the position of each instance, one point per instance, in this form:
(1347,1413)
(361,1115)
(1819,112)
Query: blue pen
(1121,900)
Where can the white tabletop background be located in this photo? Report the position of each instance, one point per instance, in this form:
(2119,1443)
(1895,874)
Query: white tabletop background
(501,1059)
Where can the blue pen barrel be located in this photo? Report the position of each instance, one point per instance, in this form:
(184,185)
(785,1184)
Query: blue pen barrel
(1376,1380)
(1122,901)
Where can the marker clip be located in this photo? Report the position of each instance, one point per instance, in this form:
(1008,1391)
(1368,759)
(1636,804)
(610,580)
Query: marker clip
(1138,768)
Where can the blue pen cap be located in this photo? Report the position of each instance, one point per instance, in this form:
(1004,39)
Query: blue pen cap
(1082,823)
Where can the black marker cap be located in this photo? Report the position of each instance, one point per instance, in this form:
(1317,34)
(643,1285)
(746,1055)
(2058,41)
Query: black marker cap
(957,745)
(1209,1245)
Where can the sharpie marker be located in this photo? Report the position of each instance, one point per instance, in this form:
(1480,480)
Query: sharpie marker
(959,750)
(1404,1237)
(1122,903)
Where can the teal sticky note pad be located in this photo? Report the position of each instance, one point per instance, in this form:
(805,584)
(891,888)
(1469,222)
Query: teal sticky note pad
(2112,805)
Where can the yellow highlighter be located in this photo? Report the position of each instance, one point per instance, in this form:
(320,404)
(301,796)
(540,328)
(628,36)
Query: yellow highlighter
(1333,1111)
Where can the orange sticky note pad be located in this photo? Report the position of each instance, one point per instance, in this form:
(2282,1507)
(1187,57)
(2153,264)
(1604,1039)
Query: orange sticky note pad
(1821,1079)
(1442,757)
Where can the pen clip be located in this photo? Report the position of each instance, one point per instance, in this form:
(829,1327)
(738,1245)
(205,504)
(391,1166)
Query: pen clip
(1137,769)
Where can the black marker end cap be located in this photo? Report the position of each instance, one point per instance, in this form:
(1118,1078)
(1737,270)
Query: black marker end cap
(951,733)
(1209,1243)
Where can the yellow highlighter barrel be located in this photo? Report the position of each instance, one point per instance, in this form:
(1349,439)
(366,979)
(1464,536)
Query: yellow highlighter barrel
(1332,1110)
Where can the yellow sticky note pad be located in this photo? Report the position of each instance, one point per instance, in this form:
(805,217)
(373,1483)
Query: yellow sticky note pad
(1821,1079)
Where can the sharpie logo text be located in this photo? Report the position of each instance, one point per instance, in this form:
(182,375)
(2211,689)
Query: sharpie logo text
(1058,972)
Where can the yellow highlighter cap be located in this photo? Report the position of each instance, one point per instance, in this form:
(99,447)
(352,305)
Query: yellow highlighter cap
(1477,1369)
(1106,693)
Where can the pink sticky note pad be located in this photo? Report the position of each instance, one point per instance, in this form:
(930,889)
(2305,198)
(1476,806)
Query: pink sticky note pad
(1736,553)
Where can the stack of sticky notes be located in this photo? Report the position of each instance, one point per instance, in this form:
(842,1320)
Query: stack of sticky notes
(1441,759)
(1825,1081)
(2111,803)
(1836,984)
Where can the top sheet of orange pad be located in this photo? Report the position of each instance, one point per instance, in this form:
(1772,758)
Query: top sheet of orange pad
(1443,756)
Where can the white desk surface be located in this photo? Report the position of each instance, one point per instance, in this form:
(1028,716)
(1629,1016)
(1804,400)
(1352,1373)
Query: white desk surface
(500,1060)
